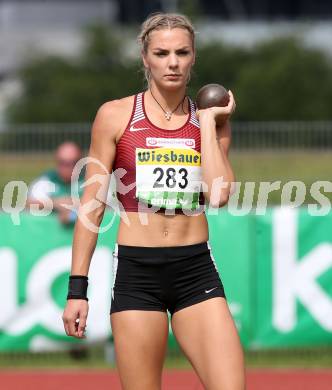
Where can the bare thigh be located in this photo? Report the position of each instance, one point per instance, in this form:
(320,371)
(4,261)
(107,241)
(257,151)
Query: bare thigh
(208,337)
(140,340)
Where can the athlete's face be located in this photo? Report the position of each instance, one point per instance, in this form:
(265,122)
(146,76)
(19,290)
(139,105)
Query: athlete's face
(169,57)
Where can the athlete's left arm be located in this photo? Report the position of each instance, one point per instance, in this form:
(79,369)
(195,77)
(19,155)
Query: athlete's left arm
(217,173)
(224,138)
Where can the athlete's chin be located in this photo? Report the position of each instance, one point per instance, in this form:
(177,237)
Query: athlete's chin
(173,84)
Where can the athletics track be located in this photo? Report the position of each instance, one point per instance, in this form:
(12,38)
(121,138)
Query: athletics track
(257,379)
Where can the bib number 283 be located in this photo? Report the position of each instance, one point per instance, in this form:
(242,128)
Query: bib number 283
(170,177)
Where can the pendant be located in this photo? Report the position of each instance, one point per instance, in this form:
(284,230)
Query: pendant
(168,115)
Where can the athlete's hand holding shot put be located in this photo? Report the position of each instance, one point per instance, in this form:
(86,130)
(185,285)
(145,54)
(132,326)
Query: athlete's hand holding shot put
(162,260)
(215,142)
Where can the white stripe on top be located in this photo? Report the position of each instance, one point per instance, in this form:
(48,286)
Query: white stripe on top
(139,112)
(193,119)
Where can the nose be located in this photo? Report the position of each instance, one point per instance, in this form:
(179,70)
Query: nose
(173,61)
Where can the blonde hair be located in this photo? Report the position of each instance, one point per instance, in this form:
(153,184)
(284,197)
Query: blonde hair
(159,21)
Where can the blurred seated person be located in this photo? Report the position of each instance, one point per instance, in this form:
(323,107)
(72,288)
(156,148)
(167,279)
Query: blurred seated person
(55,184)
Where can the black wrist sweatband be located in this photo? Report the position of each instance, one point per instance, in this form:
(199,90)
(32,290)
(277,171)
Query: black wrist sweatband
(77,287)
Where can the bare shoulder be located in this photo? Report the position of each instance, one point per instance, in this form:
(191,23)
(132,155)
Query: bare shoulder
(113,116)
(118,107)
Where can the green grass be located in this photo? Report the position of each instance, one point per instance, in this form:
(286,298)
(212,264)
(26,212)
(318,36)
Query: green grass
(290,358)
(307,166)
(23,167)
(94,359)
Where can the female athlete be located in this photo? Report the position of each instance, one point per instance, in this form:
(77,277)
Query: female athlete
(162,262)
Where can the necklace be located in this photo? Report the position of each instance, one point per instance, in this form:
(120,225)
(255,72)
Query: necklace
(168,114)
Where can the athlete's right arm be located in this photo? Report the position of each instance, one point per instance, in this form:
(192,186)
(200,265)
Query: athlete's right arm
(91,210)
(92,207)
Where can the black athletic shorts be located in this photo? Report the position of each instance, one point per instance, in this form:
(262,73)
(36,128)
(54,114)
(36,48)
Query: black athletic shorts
(163,278)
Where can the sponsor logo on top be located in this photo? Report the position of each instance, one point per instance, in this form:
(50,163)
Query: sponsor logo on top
(133,128)
(171,142)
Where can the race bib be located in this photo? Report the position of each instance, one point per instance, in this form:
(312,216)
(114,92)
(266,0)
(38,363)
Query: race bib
(168,177)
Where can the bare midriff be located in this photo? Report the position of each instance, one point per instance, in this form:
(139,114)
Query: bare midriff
(156,229)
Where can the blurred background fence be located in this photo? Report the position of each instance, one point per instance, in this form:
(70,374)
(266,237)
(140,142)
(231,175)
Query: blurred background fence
(258,136)
(261,151)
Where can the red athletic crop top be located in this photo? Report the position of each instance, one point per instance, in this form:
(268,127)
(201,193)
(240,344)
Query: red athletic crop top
(160,167)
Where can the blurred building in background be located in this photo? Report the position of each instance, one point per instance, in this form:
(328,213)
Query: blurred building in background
(28,27)
(53,25)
